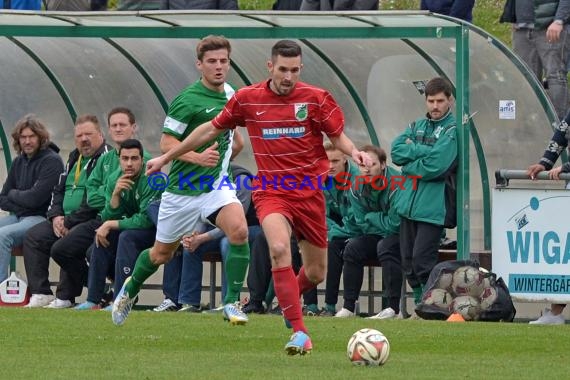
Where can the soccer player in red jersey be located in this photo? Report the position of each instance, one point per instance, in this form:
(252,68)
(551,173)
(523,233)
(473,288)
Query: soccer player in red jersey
(285,120)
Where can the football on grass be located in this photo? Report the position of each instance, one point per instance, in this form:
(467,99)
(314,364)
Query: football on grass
(368,347)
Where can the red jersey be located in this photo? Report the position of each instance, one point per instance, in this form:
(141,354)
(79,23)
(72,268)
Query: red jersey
(286,134)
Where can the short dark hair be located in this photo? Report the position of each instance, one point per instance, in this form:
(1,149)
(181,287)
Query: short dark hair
(210,43)
(381,153)
(286,48)
(37,127)
(123,110)
(131,144)
(88,118)
(438,85)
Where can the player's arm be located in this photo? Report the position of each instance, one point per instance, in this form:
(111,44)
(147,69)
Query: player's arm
(237,144)
(201,135)
(346,146)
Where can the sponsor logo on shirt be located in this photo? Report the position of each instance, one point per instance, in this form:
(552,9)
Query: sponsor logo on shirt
(275,133)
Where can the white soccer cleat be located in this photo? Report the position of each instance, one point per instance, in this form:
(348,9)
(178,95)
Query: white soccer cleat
(122,305)
(234,315)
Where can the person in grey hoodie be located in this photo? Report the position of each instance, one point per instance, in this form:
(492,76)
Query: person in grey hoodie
(540,39)
(26,193)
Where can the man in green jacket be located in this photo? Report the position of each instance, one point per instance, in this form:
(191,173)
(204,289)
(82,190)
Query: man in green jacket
(373,225)
(127,195)
(336,193)
(427,154)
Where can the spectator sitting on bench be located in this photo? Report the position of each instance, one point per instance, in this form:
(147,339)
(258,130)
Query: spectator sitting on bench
(70,254)
(375,225)
(27,191)
(127,196)
(338,208)
(67,211)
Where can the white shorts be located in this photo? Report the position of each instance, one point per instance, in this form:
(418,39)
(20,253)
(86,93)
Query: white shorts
(184,214)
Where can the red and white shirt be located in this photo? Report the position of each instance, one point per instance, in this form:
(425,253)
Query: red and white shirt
(286,133)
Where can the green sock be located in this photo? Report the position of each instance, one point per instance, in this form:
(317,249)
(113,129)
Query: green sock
(235,267)
(144,268)
(331,308)
(417,294)
(270,295)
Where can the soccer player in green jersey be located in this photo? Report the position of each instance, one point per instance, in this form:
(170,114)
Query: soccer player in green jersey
(194,195)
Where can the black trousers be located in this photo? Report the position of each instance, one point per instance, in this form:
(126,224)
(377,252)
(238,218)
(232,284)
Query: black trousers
(369,247)
(419,243)
(335,263)
(69,252)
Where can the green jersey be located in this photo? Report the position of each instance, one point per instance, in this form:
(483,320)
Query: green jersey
(195,105)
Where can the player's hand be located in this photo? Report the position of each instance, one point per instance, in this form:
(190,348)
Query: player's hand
(555,173)
(361,158)
(209,157)
(533,170)
(154,165)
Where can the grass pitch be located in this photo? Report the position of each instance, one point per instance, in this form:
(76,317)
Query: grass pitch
(69,344)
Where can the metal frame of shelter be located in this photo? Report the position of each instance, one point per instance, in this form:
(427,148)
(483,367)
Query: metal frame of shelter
(264,25)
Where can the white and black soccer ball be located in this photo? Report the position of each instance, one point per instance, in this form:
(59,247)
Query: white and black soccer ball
(438,297)
(467,306)
(488,297)
(467,281)
(368,347)
(445,280)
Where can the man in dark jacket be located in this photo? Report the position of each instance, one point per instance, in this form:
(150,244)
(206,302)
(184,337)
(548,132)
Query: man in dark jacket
(68,210)
(26,192)
(455,8)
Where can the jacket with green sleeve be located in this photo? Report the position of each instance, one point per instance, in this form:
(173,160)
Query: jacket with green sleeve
(131,212)
(337,203)
(96,184)
(427,149)
(372,211)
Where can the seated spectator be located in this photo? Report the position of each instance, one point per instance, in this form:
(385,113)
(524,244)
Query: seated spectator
(127,197)
(200,4)
(67,211)
(338,208)
(27,191)
(376,225)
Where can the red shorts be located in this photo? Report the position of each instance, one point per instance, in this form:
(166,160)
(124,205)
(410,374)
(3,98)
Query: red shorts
(306,215)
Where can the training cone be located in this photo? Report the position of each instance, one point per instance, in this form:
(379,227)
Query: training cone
(455,317)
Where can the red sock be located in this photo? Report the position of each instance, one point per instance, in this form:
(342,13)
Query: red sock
(303,282)
(287,292)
